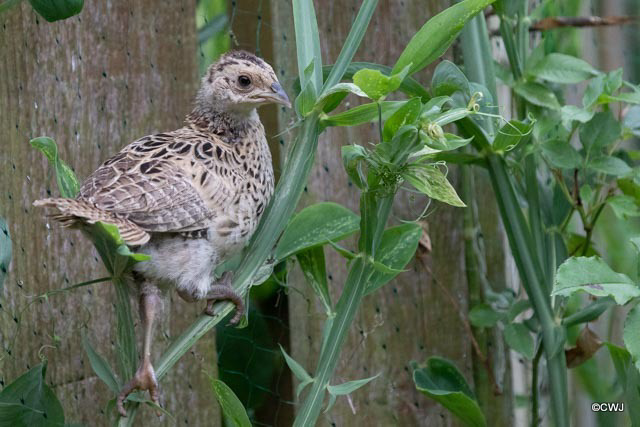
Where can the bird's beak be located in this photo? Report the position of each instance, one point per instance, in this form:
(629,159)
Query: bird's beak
(277,95)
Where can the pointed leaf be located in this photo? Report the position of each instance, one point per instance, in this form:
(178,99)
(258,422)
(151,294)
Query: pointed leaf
(67,182)
(437,34)
(55,10)
(397,247)
(100,366)
(296,368)
(316,225)
(406,115)
(565,69)
(448,79)
(39,404)
(537,94)
(231,406)
(428,179)
(376,85)
(561,154)
(518,338)
(443,382)
(313,267)
(363,114)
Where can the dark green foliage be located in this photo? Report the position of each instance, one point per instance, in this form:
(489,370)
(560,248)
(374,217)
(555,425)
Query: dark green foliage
(55,10)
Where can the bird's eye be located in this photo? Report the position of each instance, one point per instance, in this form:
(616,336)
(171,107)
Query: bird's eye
(244,81)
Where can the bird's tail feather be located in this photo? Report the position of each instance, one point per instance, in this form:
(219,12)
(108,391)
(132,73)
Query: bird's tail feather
(73,212)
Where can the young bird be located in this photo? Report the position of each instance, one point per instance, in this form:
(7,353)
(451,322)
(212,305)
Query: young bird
(190,198)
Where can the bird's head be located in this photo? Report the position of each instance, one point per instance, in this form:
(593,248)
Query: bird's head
(240,82)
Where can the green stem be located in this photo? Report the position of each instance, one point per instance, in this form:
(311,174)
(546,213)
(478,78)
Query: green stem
(534,387)
(346,309)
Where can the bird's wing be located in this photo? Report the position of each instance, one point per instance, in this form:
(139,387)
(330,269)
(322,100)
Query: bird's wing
(148,184)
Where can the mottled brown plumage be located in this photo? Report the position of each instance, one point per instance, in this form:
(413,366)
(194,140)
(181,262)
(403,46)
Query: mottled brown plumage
(190,198)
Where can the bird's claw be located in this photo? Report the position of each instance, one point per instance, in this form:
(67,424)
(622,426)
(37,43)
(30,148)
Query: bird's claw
(224,291)
(144,379)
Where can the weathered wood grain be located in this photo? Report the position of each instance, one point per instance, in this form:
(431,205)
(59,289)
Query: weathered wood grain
(94,83)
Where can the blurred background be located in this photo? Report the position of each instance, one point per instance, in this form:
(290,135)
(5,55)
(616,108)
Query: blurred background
(121,70)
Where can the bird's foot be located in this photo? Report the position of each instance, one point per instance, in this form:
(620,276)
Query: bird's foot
(223,290)
(144,379)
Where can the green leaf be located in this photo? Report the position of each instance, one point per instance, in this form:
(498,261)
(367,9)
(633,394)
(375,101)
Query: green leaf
(397,247)
(483,316)
(67,182)
(448,79)
(338,89)
(609,165)
(306,100)
(298,371)
(231,406)
(441,381)
(29,401)
(623,206)
(632,120)
(362,114)
(428,179)
(561,154)
(437,34)
(345,389)
(560,68)
(313,267)
(316,225)
(100,366)
(589,313)
(602,130)
(446,142)
(405,115)
(537,94)
(517,308)
(5,252)
(629,378)
(376,85)
(518,338)
(571,113)
(307,44)
(510,135)
(55,10)
(594,276)
(631,334)
(352,156)
(593,91)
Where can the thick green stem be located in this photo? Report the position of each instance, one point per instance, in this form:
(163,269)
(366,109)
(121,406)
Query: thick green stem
(532,279)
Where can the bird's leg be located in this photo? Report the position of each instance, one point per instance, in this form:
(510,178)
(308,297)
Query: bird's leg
(145,376)
(222,290)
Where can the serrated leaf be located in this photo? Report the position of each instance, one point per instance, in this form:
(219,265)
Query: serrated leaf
(100,366)
(5,252)
(483,316)
(55,10)
(537,94)
(518,338)
(443,382)
(316,225)
(594,276)
(428,179)
(232,408)
(565,69)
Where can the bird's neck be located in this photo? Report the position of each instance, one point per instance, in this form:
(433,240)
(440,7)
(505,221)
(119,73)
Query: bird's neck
(229,125)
